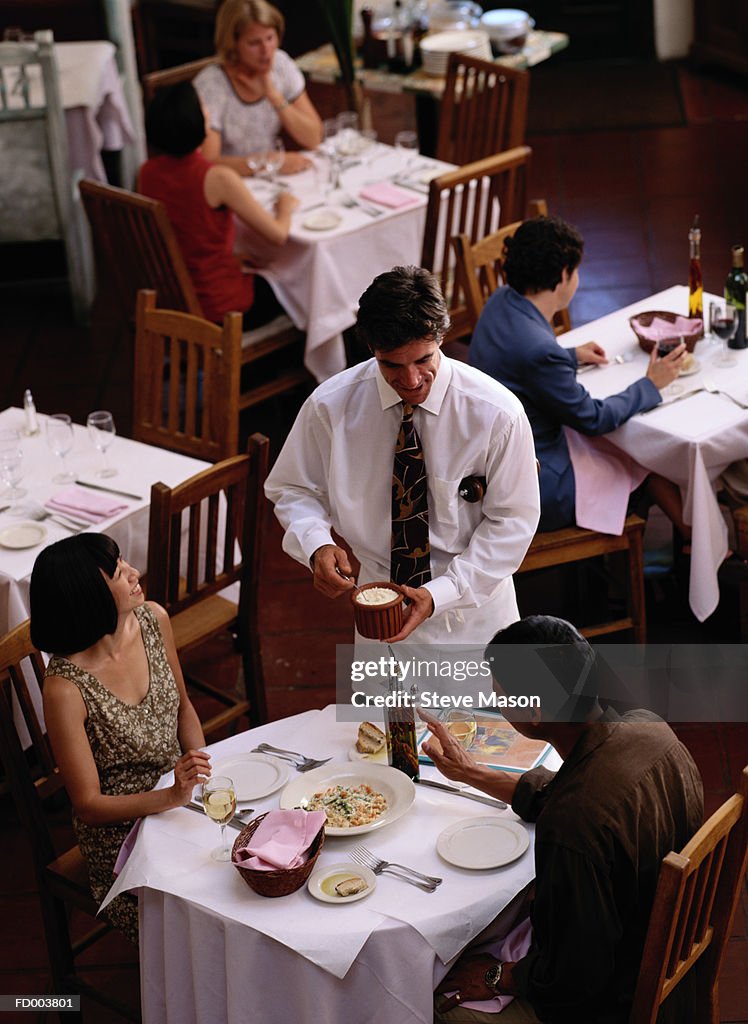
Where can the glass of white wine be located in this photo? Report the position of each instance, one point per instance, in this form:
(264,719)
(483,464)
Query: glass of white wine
(219,801)
(101,430)
(462,725)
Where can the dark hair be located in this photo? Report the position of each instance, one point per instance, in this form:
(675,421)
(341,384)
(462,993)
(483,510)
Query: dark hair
(546,657)
(402,305)
(539,251)
(174,120)
(71,605)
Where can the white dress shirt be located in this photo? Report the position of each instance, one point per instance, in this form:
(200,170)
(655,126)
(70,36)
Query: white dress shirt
(335,472)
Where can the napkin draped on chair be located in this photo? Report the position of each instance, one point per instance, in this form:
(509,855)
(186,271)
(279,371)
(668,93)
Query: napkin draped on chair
(281,840)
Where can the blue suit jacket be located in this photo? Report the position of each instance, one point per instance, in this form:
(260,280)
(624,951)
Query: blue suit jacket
(515,344)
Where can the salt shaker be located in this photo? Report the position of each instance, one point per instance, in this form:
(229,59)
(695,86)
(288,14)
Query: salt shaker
(29,410)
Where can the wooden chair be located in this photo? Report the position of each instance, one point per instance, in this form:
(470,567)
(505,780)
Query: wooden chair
(483,110)
(479,267)
(38,200)
(170,76)
(471,200)
(573,544)
(34,780)
(223,546)
(136,248)
(698,891)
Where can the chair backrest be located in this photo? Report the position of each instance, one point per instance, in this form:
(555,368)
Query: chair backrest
(483,110)
(136,248)
(479,267)
(697,893)
(37,197)
(220,512)
(187,378)
(472,200)
(170,76)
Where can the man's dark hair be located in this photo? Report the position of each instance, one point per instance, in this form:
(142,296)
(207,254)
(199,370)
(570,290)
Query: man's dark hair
(174,120)
(71,605)
(402,305)
(546,657)
(539,251)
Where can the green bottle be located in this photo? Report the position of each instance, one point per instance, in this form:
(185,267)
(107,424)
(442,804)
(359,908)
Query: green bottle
(736,287)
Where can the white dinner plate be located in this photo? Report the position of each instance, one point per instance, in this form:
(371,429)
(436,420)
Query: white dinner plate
(316,883)
(321,220)
(693,367)
(482,842)
(394,785)
(254,775)
(354,754)
(22,535)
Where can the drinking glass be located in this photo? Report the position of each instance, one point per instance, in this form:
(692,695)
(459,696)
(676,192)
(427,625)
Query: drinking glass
(347,140)
(256,162)
(60,442)
(724,323)
(11,472)
(407,143)
(329,150)
(274,159)
(461,724)
(219,801)
(101,430)
(664,348)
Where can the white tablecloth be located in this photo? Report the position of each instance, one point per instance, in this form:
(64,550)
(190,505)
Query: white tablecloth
(689,441)
(318,276)
(212,950)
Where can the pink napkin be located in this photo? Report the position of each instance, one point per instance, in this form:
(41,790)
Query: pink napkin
(388,195)
(84,505)
(281,840)
(512,947)
(661,329)
(128,844)
(604,477)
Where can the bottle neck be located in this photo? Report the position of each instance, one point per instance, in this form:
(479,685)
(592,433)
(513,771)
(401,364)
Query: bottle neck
(737,259)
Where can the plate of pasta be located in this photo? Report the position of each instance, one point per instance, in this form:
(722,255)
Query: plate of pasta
(357,798)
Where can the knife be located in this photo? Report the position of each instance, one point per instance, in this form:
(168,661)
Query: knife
(235,822)
(499,804)
(109,490)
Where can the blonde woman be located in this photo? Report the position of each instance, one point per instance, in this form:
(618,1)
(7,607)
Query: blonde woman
(255,90)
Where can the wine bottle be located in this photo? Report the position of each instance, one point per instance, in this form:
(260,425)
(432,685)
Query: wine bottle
(400,730)
(695,279)
(736,287)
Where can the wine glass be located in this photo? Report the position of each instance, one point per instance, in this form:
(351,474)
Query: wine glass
(462,725)
(219,801)
(724,323)
(329,150)
(347,140)
(274,159)
(60,442)
(664,348)
(101,430)
(11,472)
(407,143)
(256,162)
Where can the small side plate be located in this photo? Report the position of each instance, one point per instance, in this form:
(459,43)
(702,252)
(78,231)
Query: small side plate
(354,754)
(326,877)
(693,367)
(321,220)
(22,535)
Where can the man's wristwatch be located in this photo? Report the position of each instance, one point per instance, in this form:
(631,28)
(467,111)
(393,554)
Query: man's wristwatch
(493,976)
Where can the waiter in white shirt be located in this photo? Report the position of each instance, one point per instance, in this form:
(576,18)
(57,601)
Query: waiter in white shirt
(407,521)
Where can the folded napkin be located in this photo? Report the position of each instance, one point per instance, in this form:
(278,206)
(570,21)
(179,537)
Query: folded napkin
(682,327)
(387,195)
(281,840)
(84,505)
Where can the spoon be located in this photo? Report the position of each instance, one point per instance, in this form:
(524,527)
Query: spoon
(348,579)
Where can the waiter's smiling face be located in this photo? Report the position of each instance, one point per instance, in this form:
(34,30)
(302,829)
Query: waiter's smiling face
(411,369)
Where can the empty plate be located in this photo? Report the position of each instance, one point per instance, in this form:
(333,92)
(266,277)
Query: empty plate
(254,775)
(23,535)
(482,842)
(321,220)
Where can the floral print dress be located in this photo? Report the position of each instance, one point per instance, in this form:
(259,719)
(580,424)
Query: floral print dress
(132,745)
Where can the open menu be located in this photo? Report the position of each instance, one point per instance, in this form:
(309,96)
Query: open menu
(498,745)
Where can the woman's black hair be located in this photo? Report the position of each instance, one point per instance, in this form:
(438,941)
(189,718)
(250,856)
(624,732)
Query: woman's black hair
(538,253)
(71,605)
(174,120)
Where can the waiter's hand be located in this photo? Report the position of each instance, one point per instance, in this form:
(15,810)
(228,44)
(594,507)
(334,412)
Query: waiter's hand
(420,608)
(325,563)
(591,352)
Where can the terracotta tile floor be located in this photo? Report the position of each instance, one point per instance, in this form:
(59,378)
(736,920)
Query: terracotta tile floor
(633,192)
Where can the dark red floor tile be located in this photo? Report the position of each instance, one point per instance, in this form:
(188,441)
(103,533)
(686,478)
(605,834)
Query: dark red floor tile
(614,273)
(285,702)
(704,743)
(733,987)
(735,739)
(588,306)
(302,659)
(296,605)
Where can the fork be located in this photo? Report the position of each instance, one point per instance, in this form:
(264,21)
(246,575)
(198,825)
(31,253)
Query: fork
(74,525)
(300,763)
(710,386)
(360,854)
(349,202)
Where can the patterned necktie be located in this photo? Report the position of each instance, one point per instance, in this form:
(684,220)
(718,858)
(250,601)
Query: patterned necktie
(410,561)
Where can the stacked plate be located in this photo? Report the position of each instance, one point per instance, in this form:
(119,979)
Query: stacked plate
(435,49)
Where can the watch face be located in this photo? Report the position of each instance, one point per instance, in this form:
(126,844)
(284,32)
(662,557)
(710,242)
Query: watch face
(493,975)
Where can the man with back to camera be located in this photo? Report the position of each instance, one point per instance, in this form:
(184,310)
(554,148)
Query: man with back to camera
(627,793)
(339,470)
(515,343)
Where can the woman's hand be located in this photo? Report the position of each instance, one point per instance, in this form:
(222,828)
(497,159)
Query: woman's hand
(286,203)
(294,162)
(591,352)
(189,771)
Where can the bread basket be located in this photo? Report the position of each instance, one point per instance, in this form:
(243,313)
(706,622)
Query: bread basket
(282,881)
(645,319)
(378,621)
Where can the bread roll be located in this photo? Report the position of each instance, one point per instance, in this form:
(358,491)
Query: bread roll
(370,740)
